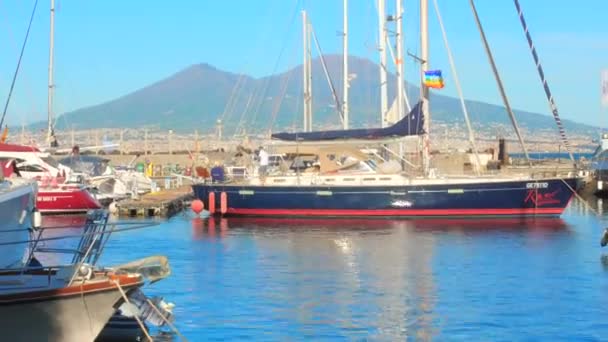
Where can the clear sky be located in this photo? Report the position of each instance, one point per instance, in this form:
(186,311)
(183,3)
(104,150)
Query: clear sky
(105,49)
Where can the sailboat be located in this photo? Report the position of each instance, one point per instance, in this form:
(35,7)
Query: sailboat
(340,180)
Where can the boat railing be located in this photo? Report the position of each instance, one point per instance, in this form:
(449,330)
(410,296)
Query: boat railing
(92,241)
(90,246)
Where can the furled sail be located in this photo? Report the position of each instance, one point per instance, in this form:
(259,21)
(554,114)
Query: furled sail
(411,124)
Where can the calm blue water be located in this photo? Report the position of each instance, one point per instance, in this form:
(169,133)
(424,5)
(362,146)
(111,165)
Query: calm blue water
(499,280)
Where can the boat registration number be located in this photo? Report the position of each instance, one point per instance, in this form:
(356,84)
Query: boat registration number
(542,185)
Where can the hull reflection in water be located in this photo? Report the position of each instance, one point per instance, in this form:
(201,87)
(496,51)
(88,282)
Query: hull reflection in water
(209,227)
(384,279)
(496,224)
(219,227)
(64,221)
(329,272)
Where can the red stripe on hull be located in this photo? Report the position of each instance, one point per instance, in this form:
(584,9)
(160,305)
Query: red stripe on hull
(395,212)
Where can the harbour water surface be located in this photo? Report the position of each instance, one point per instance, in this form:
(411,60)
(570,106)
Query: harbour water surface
(462,279)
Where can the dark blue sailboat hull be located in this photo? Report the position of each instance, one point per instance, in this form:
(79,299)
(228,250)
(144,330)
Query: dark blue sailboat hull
(542,197)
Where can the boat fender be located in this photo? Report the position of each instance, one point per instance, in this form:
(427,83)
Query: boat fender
(604,240)
(197,206)
(113,208)
(223,202)
(36,219)
(600,185)
(212,202)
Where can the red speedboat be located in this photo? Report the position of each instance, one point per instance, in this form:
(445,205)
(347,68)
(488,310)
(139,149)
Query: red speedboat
(65,198)
(55,195)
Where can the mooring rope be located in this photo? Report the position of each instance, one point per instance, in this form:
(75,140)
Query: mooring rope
(581,198)
(541,74)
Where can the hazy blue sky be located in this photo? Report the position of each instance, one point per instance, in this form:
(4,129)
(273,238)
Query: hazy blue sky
(108,48)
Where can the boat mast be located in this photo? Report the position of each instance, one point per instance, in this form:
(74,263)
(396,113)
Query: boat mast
(50,133)
(345,67)
(309,69)
(399,62)
(382,50)
(399,66)
(306,71)
(424,56)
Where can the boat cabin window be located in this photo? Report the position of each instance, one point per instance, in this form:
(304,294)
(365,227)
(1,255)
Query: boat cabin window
(372,164)
(275,160)
(360,166)
(301,163)
(30,168)
(17,160)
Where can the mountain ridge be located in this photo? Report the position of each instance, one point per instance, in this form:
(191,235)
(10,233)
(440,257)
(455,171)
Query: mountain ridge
(200,94)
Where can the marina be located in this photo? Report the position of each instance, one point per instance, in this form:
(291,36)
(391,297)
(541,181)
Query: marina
(393,182)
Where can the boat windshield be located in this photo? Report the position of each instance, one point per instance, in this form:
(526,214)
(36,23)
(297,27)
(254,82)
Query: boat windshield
(361,166)
(372,164)
(51,161)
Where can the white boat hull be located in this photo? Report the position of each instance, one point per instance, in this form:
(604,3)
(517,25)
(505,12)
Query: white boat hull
(61,315)
(17,200)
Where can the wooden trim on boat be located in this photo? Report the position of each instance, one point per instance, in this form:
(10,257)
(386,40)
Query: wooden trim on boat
(127,281)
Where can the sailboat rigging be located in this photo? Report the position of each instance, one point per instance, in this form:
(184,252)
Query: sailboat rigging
(10,92)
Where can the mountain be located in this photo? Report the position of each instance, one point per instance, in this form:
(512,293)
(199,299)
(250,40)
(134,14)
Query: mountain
(196,97)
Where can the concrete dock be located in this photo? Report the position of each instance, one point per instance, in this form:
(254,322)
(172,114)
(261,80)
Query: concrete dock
(164,203)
